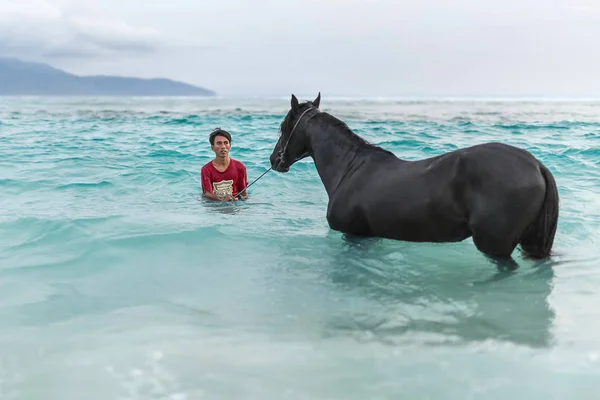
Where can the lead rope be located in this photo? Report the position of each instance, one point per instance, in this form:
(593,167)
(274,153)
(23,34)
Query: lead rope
(242,191)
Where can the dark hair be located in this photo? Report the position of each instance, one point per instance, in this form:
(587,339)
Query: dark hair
(218,132)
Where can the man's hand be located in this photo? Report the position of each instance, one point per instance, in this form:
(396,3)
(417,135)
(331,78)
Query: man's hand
(217,198)
(243,194)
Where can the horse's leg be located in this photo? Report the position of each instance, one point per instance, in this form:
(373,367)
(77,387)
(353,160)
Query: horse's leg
(497,241)
(504,264)
(348,219)
(499,251)
(354,239)
(498,221)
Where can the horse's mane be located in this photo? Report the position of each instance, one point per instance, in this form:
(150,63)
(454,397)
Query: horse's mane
(340,126)
(286,124)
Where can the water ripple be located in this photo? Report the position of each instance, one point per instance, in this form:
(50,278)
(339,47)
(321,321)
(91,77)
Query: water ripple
(108,254)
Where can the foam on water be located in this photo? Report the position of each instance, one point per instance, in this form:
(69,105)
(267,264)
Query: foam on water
(118,282)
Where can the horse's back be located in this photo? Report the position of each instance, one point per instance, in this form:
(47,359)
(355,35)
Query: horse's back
(498,158)
(498,169)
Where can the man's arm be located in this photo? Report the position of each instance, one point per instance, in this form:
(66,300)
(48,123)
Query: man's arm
(243,183)
(207,185)
(214,197)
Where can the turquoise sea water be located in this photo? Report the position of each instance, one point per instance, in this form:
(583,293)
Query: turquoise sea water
(118,282)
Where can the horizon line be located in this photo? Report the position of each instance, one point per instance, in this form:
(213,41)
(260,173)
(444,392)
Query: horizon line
(301,97)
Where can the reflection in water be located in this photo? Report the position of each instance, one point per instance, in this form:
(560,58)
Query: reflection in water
(222,207)
(425,288)
(431,294)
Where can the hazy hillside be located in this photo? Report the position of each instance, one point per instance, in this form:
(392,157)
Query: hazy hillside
(28,78)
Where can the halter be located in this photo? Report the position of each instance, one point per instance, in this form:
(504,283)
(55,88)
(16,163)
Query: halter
(282,152)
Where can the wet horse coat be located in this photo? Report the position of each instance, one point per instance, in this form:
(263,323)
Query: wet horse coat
(498,194)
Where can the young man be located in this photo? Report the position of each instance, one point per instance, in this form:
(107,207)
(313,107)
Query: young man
(223,178)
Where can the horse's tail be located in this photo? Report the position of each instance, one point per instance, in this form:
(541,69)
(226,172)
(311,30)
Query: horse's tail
(538,239)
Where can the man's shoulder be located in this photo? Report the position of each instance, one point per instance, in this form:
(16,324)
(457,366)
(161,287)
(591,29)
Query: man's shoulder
(207,166)
(238,163)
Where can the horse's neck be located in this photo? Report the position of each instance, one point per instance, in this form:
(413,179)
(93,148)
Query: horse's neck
(333,153)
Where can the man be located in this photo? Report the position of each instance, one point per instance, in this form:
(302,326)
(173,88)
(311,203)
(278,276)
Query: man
(223,178)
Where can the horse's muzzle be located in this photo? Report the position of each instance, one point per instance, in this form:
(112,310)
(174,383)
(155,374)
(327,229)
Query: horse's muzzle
(278,163)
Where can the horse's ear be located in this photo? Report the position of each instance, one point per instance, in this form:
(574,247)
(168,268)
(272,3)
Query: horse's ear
(317,101)
(294,103)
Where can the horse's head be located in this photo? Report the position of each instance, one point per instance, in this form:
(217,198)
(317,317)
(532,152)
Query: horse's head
(292,145)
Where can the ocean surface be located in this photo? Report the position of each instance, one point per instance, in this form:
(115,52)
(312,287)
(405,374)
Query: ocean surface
(118,281)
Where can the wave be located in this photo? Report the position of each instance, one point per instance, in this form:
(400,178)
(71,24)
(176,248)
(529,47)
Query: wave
(25,185)
(178,236)
(85,185)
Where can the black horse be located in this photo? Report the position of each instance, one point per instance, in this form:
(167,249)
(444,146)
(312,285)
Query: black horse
(500,195)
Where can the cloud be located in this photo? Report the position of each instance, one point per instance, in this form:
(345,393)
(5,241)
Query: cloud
(43,29)
(348,47)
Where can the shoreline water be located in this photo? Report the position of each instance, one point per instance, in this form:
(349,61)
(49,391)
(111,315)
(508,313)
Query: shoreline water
(117,282)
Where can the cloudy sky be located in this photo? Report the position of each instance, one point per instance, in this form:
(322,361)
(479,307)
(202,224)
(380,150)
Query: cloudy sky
(339,47)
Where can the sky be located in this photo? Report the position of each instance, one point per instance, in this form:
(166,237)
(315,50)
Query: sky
(370,48)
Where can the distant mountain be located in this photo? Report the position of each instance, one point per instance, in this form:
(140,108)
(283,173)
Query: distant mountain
(30,78)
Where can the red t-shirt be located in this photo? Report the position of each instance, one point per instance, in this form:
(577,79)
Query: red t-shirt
(227,183)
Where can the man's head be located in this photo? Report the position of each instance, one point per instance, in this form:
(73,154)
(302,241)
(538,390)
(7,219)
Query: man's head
(220,142)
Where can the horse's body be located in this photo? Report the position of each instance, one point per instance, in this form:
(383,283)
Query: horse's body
(500,195)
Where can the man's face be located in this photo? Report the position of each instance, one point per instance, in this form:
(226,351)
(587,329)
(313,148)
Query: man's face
(221,146)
